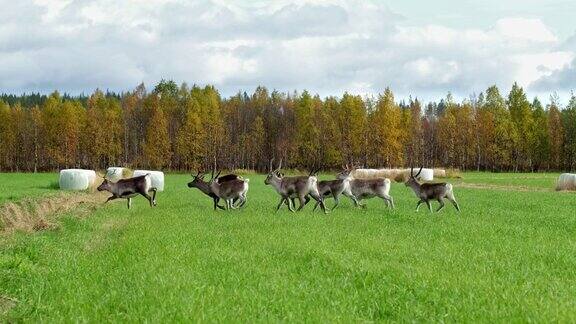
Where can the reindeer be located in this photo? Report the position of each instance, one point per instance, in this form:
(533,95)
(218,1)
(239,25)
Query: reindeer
(359,189)
(204,186)
(431,191)
(129,188)
(294,187)
(230,191)
(332,188)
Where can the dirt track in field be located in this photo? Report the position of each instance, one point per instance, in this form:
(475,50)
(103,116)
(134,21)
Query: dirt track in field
(35,214)
(500,187)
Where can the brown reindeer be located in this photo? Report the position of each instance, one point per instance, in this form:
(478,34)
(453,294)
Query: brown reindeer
(129,188)
(294,187)
(204,186)
(333,188)
(431,191)
(359,189)
(230,190)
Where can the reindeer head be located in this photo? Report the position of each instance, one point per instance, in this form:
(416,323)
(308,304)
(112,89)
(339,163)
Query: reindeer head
(274,174)
(196,179)
(413,178)
(105,186)
(346,173)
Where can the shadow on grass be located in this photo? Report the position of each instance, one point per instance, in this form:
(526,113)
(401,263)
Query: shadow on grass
(53,185)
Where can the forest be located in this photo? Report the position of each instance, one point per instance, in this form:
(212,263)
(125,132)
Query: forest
(182,128)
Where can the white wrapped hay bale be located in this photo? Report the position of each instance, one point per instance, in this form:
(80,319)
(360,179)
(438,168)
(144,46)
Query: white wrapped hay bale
(426,175)
(76,179)
(566,181)
(157,178)
(114,173)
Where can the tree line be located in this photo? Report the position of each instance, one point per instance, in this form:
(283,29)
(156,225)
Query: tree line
(183,128)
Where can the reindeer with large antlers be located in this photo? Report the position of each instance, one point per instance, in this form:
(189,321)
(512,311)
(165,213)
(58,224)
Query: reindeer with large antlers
(294,187)
(204,186)
(431,191)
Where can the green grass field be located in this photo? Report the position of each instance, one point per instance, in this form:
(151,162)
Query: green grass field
(509,256)
(16,186)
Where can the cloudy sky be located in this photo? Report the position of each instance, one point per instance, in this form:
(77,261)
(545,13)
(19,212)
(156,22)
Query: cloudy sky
(419,48)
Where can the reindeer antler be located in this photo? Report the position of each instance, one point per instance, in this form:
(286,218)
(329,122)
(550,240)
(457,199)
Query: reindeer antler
(419,171)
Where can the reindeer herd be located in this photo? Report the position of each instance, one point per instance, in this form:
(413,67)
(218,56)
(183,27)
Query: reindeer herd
(233,189)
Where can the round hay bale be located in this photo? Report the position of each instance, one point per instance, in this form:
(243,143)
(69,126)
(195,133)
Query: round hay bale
(439,173)
(157,178)
(402,176)
(375,173)
(115,173)
(76,179)
(426,175)
(566,181)
(364,174)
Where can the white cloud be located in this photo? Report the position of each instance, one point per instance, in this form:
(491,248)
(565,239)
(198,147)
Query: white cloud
(562,77)
(326,46)
(531,30)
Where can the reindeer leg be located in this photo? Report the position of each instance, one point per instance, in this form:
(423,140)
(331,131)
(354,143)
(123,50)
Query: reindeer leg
(281,203)
(234,206)
(147,196)
(322,205)
(111,198)
(154,196)
(456,205)
(316,206)
(239,201)
(216,201)
(354,200)
(418,204)
(302,203)
(453,200)
(291,206)
(429,205)
(389,200)
(336,200)
(244,199)
(129,202)
(441,201)
(319,199)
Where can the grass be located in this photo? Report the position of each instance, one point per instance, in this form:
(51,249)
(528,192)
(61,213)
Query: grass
(16,186)
(545,181)
(509,256)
